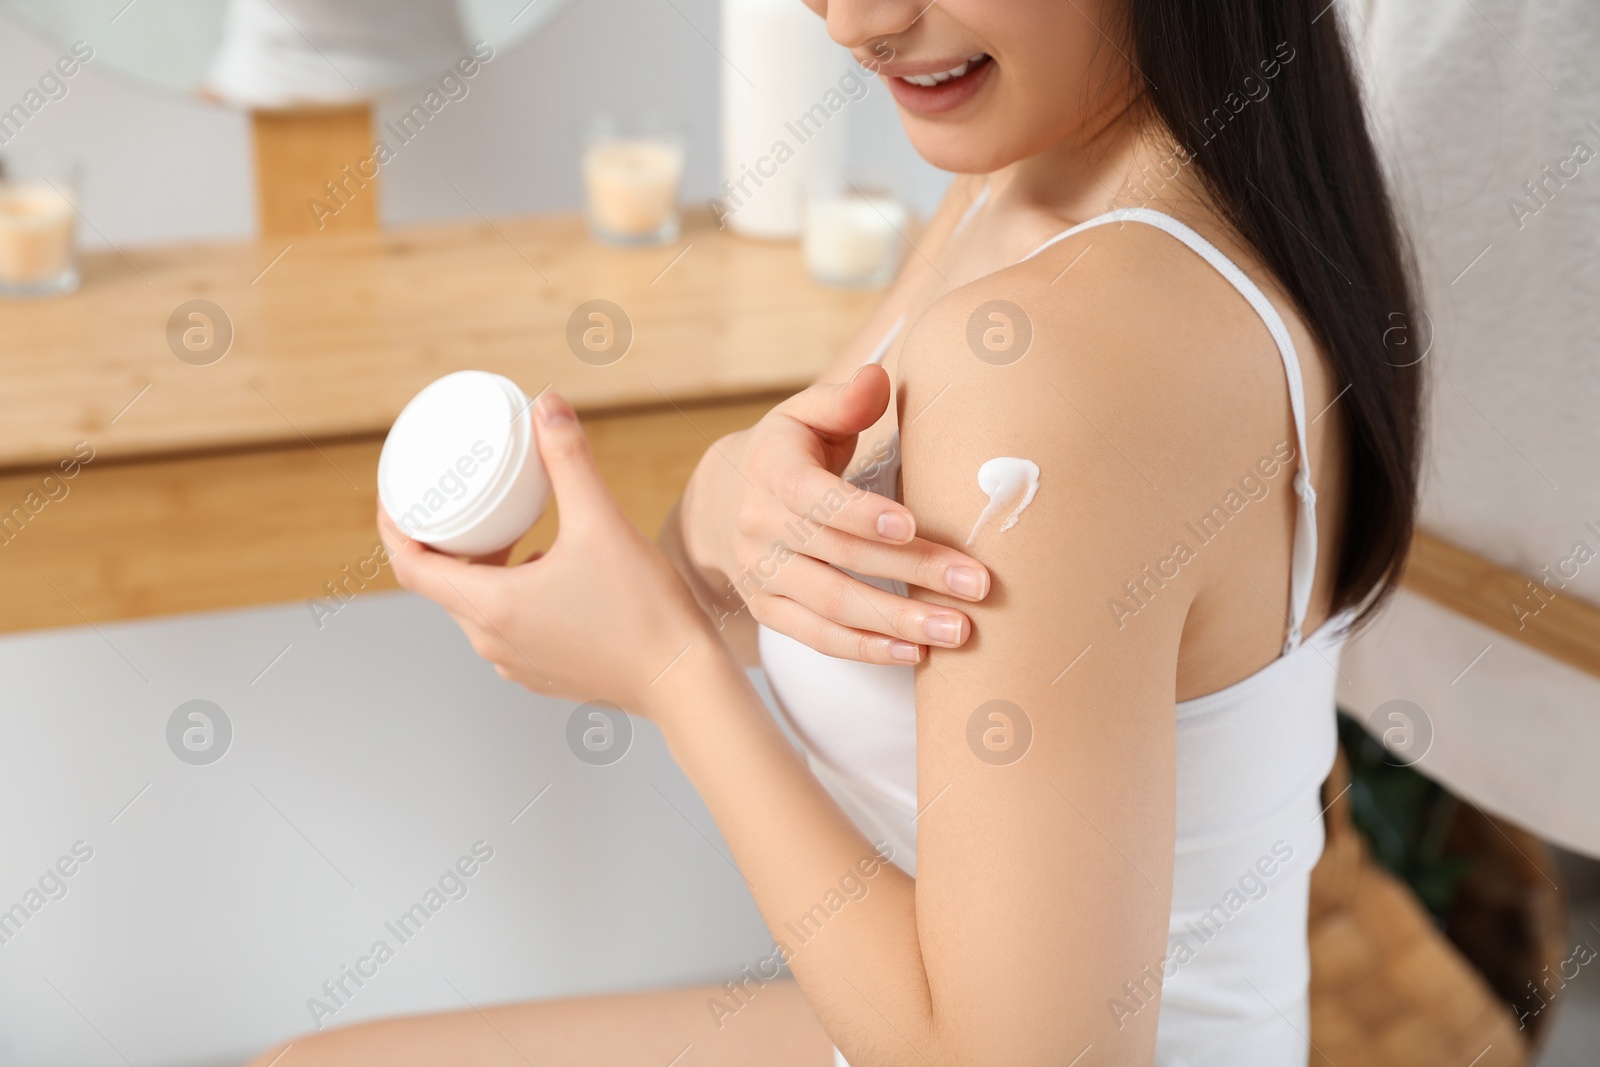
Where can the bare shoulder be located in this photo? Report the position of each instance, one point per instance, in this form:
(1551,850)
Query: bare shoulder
(1122,364)
(1120,311)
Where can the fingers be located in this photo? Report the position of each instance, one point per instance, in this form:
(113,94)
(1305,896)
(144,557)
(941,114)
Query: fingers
(831,639)
(823,498)
(808,488)
(580,491)
(462,589)
(394,537)
(921,563)
(844,409)
(474,594)
(855,605)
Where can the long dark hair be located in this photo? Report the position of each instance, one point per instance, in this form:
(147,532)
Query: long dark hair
(1296,175)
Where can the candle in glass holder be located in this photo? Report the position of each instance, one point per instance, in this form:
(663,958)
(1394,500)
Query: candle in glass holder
(36,239)
(632,185)
(854,240)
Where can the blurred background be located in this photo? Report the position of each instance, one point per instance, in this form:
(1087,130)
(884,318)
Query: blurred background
(162,165)
(237,236)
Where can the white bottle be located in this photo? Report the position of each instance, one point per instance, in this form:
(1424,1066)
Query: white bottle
(460,469)
(779,68)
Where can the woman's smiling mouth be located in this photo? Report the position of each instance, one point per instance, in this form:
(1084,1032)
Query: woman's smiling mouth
(937,87)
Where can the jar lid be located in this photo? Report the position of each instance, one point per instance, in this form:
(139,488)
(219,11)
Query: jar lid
(452,452)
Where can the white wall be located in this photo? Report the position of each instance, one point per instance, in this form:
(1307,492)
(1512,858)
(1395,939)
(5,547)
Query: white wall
(163,168)
(364,762)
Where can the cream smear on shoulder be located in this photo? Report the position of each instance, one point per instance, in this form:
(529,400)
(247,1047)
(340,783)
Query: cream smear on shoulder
(1010,485)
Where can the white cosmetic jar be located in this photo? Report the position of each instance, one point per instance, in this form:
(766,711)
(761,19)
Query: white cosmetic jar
(460,469)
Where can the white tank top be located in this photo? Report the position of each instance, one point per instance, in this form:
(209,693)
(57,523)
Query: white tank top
(1251,760)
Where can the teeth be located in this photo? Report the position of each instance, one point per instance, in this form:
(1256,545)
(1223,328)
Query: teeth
(930,80)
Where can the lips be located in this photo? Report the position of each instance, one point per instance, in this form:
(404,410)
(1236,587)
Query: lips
(939,91)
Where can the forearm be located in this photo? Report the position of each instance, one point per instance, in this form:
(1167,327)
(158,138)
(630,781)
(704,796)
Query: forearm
(849,936)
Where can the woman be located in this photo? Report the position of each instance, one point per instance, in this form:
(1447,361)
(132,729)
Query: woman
(1096,736)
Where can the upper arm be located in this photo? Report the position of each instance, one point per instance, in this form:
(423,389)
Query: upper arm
(1044,868)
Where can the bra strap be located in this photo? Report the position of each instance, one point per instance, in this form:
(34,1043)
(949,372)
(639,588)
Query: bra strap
(888,339)
(972,210)
(966,216)
(1304,563)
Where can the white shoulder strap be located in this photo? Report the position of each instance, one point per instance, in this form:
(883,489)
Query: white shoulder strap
(972,210)
(1304,564)
(966,216)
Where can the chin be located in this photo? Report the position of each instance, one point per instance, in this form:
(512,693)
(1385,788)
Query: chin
(969,146)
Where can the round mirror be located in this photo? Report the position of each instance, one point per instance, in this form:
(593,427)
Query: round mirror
(282,53)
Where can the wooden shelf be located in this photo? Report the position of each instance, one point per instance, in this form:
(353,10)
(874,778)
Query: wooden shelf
(200,533)
(334,332)
(250,480)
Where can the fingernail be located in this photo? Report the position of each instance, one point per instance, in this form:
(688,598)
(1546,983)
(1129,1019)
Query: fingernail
(944,630)
(554,410)
(905,652)
(896,526)
(969,582)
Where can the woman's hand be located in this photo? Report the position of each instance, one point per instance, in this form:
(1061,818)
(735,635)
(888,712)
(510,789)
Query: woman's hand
(767,519)
(600,616)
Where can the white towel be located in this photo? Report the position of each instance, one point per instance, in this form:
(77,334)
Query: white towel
(1517,734)
(1473,99)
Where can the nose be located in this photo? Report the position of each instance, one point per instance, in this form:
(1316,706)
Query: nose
(869,27)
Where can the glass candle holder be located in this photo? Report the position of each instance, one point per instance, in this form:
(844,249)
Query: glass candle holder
(632,174)
(38,227)
(854,239)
